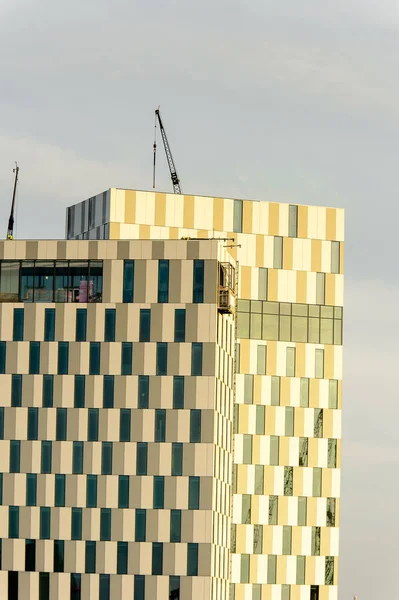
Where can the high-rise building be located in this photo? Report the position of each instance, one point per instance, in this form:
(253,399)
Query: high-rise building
(170,415)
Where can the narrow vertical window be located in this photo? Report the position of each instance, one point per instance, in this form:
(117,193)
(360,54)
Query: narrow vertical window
(47,450)
(157,558)
(195,425)
(287,539)
(95,358)
(178,391)
(105,524)
(127,358)
(300,570)
(320,288)
(159,492)
(160,425)
(128,281)
(122,558)
(45,518)
(196,358)
(278,253)
(193,493)
(76,524)
(34,358)
(79,392)
(177,458)
(335,251)
(61,424)
(90,561)
(91,491)
(49,324)
(317,482)
(48,391)
(290,354)
(262,283)
(289,420)
(16,390)
(77,458)
(302,510)
(140,525)
(33,423)
(59,490)
(248,389)
(274,450)
(260,420)
(106,458)
(143,391)
(18,326)
(275,391)
(123,491)
(175,526)
(141,458)
(319,363)
(288,481)
(247,449)
(198,282)
(13,522)
(261,359)
(174,586)
(163,281)
(15,456)
(30,555)
(162,358)
(304,392)
(109,324)
(329,570)
(139,587)
(333,393)
(273,510)
(145,325)
(2,358)
(271,569)
(330,518)
(293,221)
(192,560)
(108,391)
(237,216)
(303,452)
(76,586)
(63,358)
(81,325)
(318,423)
(92,425)
(332,453)
(31,489)
(1,425)
(180,325)
(124,425)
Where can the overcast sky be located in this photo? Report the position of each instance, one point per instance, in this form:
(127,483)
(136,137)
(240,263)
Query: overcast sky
(285,100)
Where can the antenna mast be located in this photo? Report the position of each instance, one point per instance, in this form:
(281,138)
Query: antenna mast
(10,230)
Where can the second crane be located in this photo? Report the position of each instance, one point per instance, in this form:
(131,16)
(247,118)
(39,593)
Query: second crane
(172,168)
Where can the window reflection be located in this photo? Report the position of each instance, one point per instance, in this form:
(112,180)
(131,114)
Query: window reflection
(51,281)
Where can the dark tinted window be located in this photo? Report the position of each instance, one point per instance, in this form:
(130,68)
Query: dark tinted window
(48,391)
(157,558)
(160,424)
(140,525)
(123,491)
(63,358)
(141,458)
(105,524)
(13,521)
(61,424)
(77,458)
(49,324)
(109,325)
(18,328)
(92,425)
(196,359)
(124,425)
(58,556)
(90,562)
(95,358)
(79,394)
(175,526)
(193,493)
(122,558)
(195,425)
(159,491)
(59,496)
(192,560)
(143,391)
(180,325)
(145,325)
(104,586)
(45,517)
(108,391)
(106,458)
(31,489)
(139,587)
(33,423)
(178,391)
(34,358)
(127,356)
(81,324)
(177,458)
(91,491)
(2,358)
(76,524)
(162,358)
(163,281)
(198,281)
(30,555)
(16,390)
(46,457)
(15,456)
(128,281)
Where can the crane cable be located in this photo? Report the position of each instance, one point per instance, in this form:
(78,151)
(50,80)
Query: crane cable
(155,151)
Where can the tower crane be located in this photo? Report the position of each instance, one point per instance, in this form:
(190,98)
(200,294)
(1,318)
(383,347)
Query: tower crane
(10,230)
(172,168)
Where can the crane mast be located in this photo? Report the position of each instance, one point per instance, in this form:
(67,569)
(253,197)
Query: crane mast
(10,230)
(172,168)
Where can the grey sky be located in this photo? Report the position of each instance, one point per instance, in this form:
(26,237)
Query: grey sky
(292,101)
